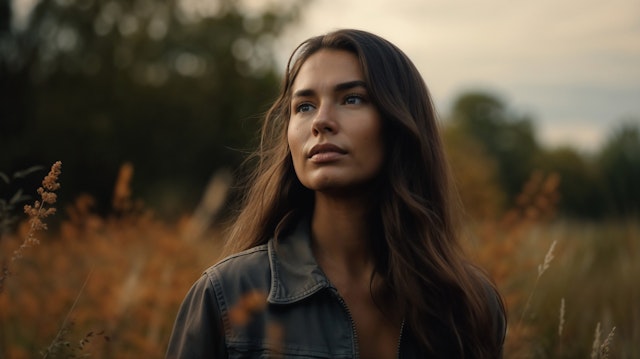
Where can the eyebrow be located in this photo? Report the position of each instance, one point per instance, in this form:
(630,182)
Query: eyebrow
(339,87)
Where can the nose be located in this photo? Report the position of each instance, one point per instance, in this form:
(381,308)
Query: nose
(324,121)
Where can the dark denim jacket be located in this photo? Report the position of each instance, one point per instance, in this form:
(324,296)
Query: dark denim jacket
(224,314)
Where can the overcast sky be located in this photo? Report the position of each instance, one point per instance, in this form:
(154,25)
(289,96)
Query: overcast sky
(574,65)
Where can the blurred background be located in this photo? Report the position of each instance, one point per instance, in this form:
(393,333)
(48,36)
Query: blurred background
(152,106)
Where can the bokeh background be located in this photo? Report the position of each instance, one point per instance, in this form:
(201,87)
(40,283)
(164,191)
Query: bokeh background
(153,105)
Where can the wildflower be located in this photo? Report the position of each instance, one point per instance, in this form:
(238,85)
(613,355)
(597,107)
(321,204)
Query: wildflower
(40,209)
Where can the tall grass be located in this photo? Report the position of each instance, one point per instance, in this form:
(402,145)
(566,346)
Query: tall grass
(37,213)
(138,268)
(596,271)
(590,267)
(140,271)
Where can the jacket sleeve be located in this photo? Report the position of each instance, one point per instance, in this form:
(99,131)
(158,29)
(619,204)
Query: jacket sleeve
(198,331)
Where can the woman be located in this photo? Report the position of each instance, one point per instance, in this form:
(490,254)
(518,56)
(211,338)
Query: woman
(346,245)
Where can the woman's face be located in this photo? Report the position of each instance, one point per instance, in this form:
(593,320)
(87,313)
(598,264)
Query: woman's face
(334,130)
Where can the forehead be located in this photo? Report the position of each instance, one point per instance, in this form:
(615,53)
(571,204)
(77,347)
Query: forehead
(328,68)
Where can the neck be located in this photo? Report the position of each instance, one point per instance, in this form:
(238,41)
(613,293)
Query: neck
(341,234)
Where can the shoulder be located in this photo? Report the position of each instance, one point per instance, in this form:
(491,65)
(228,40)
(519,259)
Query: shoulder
(241,273)
(207,313)
(489,289)
(256,258)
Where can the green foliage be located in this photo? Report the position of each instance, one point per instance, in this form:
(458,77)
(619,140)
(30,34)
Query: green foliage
(11,196)
(603,185)
(176,87)
(507,137)
(581,186)
(475,174)
(619,164)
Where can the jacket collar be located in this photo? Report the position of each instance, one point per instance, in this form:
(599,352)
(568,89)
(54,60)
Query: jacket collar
(295,274)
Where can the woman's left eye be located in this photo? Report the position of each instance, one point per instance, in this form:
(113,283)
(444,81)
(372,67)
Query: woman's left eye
(353,100)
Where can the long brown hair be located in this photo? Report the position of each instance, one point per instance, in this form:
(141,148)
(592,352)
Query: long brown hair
(443,299)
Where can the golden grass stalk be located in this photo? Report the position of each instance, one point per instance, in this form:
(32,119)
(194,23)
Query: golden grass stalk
(40,209)
(596,342)
(561,321)
(122,191)
(64,328)
(547,259)
(37,213)
(604,348)
(541,269)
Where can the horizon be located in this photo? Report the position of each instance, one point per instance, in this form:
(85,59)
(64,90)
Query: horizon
(573,67)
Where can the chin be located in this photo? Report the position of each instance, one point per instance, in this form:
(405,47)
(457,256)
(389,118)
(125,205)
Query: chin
(323,186)
(335,187)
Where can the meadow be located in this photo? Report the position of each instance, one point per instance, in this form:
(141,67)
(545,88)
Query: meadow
(109,286)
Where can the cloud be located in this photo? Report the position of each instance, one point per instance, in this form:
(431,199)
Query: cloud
(547,55)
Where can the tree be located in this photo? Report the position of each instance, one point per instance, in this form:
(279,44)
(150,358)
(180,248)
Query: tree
(176,87)
(619,165)
(475,174)
(581,189)
(507,137)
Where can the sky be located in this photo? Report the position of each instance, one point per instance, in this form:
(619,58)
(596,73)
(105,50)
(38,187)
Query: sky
(573,66)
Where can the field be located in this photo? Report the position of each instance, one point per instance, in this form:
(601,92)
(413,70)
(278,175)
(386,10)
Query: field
(109,286)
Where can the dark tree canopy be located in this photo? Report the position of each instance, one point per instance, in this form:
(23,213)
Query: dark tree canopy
(175,87)
(619,163)
(507,137)
(599,185)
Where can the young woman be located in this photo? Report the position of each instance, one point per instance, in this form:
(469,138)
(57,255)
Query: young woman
(346,246)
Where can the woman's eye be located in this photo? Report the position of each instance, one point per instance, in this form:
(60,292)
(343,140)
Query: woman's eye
(303,107)
(353,100)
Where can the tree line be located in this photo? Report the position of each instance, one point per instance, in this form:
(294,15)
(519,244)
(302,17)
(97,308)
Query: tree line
(175,89)
(179,91)
(592,185)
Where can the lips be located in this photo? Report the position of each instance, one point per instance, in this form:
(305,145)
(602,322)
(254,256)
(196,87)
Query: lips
(325,148)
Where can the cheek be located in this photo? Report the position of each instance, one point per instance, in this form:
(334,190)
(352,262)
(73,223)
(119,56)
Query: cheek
(377,147)
(295,144)
(377,155)
(291,140)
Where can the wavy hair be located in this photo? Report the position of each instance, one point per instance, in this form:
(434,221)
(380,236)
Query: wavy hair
(443,298)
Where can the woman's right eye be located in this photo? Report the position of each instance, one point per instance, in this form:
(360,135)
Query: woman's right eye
(304,107)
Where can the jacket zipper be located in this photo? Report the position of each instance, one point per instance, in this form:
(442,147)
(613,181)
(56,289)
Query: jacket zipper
(353,324)
(400,339)
(353,327)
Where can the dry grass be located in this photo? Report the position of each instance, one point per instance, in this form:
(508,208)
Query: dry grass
(37,213)
(138,268)
(595,271)
(589,271)
(140,271)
